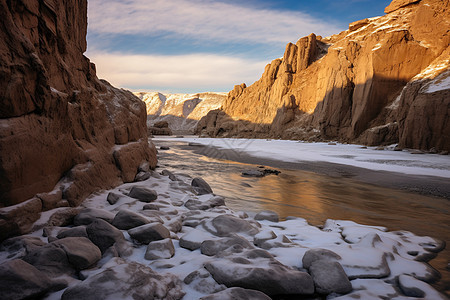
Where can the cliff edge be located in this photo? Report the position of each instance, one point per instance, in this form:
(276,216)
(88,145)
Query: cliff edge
(382,81)
(63,132)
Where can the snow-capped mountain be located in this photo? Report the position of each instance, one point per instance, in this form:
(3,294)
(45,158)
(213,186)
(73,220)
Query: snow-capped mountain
(181,111)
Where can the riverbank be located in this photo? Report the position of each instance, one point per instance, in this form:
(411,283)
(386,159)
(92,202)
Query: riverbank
(166,236)
(426,174)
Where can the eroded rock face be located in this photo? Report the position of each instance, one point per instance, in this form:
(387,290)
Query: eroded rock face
(58,121)
(348,86)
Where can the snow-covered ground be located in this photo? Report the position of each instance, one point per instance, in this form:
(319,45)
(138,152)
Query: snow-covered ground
(214,245)
(353,155)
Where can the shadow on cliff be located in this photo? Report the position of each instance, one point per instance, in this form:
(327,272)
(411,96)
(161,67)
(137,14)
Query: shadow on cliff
(370,113)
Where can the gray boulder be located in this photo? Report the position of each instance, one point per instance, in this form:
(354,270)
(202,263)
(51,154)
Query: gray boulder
(88,215)
(64,256)
(149,233)
(237,293)
(200,186)
(50,259)
(141,176)
(211,248)
(318,254)
(103,234)
(126,281)
(224,225)
(162,249)
(143,194)
(193,204)
(20,280)
(267,215)
(78,231)
(127,219)
(271,279)
(80,251)
(20,246)
(113,198)
(329,277)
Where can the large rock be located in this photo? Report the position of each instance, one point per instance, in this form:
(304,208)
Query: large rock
(126,281)
(329,277)
(225,225)
(103,234)
(352,86)
(88,215)
(143,194)
(20,246)
(274,279)
(20,280)
(148,233)
(162,249)
(214,247)
(200,186)
(127,219)
(80,251)
(58,121)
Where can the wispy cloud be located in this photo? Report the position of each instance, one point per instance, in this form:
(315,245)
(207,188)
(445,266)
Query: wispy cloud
(195,72)
(203,20)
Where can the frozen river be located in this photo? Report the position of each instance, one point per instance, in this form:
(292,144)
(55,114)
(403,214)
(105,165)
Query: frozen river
(373,195)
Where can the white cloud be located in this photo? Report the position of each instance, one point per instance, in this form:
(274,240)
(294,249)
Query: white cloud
(198,71)
(202,19)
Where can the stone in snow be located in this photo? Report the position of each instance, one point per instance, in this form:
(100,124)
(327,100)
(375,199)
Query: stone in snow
(104,235)
(112,198)
(78,231)
(88,215)
(272,279)
(20,280)
(225,225)
(126,280)
(329,277)
(127,219)
(318,254)
(162,249)
(200,186)
(214,247)
(267,215)
(148,233)
(19,246)
(143,194)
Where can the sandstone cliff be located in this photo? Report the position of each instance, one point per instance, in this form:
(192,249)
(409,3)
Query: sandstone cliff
(362,85)
(181,111)
(61,128)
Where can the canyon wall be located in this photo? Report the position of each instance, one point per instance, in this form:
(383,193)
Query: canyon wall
(364,85)
(63,132)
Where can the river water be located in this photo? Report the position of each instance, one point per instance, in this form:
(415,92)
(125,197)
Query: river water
(316,197)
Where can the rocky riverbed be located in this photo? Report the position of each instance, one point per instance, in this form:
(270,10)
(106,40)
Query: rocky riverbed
(166,236)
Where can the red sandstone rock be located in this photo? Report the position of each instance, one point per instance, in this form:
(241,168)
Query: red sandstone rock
(58,121)
(345,87)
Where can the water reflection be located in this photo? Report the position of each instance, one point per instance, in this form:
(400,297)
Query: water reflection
(317,198)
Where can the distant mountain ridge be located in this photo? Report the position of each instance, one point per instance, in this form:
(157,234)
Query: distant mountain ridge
(181,111)
(384,80)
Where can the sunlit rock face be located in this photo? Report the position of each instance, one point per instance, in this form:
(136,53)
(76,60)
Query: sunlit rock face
(58,121)
(354,86)
(181,111)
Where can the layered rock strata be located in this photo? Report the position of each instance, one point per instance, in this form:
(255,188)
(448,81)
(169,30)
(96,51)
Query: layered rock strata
(63,132)
(382,81)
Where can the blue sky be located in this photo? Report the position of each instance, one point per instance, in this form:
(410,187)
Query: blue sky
(187,46)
